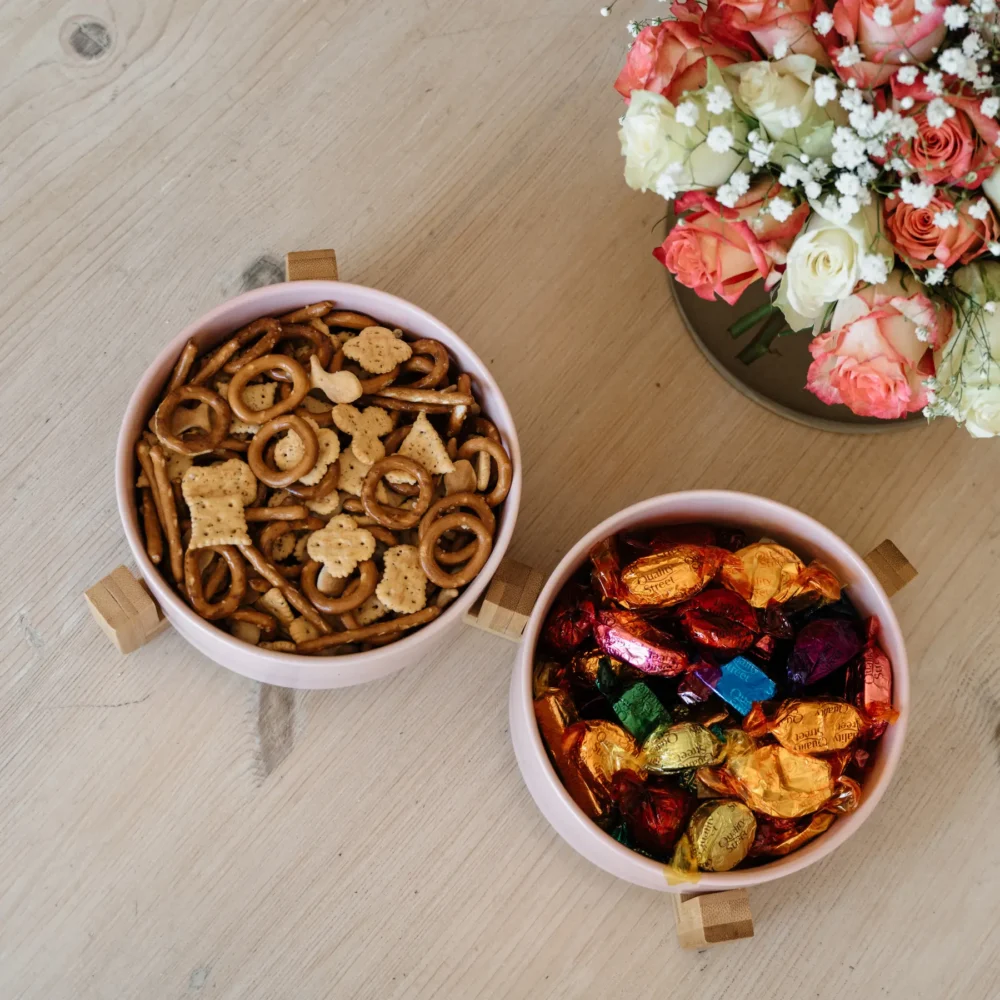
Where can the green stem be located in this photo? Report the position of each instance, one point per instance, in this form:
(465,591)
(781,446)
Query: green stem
(744,323)
(761,344)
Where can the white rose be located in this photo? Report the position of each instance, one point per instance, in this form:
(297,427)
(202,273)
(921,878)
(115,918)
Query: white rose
(991,188)
(824,263)
(654,143)
(968,366)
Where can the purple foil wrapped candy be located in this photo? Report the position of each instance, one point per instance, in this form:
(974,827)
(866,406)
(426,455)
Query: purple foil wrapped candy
(823,646)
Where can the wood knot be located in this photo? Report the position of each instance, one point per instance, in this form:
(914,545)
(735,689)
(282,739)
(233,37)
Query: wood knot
(86,37)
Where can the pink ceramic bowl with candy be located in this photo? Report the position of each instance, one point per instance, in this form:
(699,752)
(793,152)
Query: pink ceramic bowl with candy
(759,518)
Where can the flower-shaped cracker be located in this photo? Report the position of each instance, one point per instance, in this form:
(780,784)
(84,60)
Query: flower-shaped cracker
(378,350)
(289,451)
(424,445)
(338,387)
(365,427)
(403,586)
(341,545)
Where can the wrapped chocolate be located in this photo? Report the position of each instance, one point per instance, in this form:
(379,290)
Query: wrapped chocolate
(693,691)
(846,796)
(606,572)
(584,667)
(627,636)
(681,746)
(640,711)
(822,647)
(655,813)
(777,837)
(869,683)
(719,619)
(816,584)
(717,839)
(670,577)
(548,675)
(762,572)
(592,753)
(820,726)
(570,622)
(669,535)
(554,713)
(739,683)
(778,782)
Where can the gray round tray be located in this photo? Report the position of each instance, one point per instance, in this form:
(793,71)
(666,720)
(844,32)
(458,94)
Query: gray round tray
(776,381)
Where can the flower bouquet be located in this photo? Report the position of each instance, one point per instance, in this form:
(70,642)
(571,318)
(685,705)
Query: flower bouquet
(846,156)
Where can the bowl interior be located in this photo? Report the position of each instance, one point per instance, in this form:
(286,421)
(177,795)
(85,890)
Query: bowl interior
(758,516)
(289,669)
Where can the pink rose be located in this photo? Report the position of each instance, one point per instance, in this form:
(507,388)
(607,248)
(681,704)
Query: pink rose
(773,21)
(957,151)
(669,58)
(910,37)
(720,251)
(872,360)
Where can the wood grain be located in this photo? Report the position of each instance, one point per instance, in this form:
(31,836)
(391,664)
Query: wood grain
(462,155)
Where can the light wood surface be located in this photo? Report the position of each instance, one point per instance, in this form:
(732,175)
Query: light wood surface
(168,829)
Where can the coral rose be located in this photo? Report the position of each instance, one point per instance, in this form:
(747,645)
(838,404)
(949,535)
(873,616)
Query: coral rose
(669,58)
(909,37)
(921,242)
(720,251)
(876,354)
(774,21)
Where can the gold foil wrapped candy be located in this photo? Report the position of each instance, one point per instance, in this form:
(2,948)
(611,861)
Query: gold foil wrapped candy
(592,753)
(809,726)
(765,572)
(778,782)
(585,666)
(717,839)
(671,576)
(678,747)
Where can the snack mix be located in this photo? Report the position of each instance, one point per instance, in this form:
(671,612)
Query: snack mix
(320,483)
(709,702)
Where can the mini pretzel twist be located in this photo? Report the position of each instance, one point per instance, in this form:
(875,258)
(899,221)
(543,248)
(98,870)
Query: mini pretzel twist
(276,477)
(201,443)
(505,470)
(460,577)
(237,583)
(291,367)
(397,520)
(353,596)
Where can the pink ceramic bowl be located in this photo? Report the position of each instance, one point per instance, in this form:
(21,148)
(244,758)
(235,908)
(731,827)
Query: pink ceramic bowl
(289,669)
(810,540)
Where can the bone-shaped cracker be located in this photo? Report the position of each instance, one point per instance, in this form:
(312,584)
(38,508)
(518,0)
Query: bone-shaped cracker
(341,545)
(424,445)
(403,586)
(216,496)
(186,418)
(338,387)
(377,350)
(258,396)
(288,452)
(274,602)
(365,427)
(352,473)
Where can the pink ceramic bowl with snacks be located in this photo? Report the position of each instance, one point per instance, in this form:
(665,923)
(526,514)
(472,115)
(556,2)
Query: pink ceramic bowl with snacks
(809,539)
(292,669)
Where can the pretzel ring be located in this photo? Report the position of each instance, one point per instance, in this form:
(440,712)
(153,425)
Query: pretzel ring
(203,441)
(446,504)
(237,583)
(353,597)
(397,520)
(322,489)
(322,345)
(276,530)
(291,367)
(272,335)
(255,454)
(465,522)
(439,369)
(505,471)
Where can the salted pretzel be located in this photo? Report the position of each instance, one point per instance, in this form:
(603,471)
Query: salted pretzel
(268,591)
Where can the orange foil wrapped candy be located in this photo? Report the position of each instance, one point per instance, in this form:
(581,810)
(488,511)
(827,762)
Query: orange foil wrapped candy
(548,676)
(683,745)
(717,839)
(808,726)
(778,782)
(554,713)
(719,619)
(778,837)
(607,568)
(816,584)
(762,572)
(627,636)
(869,683)
(593,752)
(846,796)
(671,576)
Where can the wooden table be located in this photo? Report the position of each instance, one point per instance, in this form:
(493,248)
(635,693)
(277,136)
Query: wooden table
(378,841)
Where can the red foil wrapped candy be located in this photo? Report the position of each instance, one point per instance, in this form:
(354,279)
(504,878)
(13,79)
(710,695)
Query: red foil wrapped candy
(630,638)
(719,619)
(655,812)
(869,683)
(571,620)
(823,646)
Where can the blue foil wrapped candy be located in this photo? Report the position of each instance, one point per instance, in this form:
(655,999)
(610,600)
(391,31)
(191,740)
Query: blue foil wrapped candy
(739,683)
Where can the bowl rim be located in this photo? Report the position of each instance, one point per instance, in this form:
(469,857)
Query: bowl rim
(646,870)
(277,661)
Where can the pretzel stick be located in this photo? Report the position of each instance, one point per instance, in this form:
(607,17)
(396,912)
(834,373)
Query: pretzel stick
(349,320)
(292,594)
(401,404)
(376,631)
(151,524)
(222,354)
(314,311)
(432,396)
(289,512)
(171,525)
(183,367)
